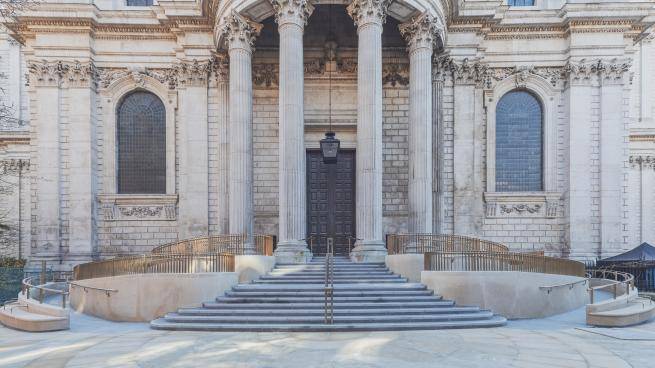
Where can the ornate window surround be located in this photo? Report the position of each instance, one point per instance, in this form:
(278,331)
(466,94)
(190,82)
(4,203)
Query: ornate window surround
(136,206)
(533,204)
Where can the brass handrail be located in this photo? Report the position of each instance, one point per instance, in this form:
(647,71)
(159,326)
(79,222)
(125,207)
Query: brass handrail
(422,243)
(156,263)
(228,243)
(26,286)
(329,283)
(85,288)
(501,261)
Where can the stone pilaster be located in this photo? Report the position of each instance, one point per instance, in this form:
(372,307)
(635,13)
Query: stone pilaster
(291,16)
(193,219)
(420,34)
(81,82)
(221,75)
(369,16)
(613,154)
(44,81)
(240,34)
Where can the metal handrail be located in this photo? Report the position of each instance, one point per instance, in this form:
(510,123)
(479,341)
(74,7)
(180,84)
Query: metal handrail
(227,243)
(156,263)
(423,243)
(569,284)
(85,288)
(501,261)
(627,280)
(26,286)
(329,283)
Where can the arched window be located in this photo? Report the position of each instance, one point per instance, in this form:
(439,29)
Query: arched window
(519,143)
(141,138)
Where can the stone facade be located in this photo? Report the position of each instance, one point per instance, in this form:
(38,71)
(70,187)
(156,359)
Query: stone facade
(414,92)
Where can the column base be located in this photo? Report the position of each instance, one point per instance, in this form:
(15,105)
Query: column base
(369,251)
(292,252)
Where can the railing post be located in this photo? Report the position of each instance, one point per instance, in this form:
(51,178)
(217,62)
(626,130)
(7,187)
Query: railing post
(42,280)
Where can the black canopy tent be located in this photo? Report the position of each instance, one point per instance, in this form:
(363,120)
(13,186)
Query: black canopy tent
(639,261)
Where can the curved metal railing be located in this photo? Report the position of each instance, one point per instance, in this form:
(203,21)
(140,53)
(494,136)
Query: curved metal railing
(620,282)
(230,243)
(423,243)
(27,286)
(501,261)
(156,263)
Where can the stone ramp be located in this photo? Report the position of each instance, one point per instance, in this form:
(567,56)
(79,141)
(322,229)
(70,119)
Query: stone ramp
(367,297)
(634,311)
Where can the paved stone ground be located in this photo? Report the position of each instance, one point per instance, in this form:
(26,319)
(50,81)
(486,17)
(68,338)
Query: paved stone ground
(553,342)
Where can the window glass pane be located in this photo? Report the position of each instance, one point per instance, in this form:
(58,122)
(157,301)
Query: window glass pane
(520,2)
(141,137)
(519,143)
(139,2)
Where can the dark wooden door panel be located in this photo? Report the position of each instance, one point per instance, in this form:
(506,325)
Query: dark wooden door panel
(331,197)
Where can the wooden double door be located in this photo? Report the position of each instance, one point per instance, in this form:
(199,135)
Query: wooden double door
(331,201)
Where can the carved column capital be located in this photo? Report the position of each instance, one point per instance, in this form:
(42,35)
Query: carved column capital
(240,32)
(292,11)
(56,73)
(368,11)
(420,32)
(194,73)
(220,67)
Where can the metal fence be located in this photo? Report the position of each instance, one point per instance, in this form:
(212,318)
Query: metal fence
(501,261)
(156,263)
(422,243)
(232,244)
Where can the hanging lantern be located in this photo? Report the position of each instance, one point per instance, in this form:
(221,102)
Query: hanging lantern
(330,148)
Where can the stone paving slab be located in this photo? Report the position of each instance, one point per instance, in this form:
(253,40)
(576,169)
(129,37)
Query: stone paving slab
(560,341)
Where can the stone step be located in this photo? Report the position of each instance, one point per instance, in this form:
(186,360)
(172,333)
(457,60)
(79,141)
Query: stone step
(161,324)
(321,311)
(259,294)
(321,299)
(336,272)
(375,278)
(303,287)
(322,281)
(175,317)
(434,303)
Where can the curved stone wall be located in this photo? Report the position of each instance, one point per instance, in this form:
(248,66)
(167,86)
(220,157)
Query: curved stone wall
(144,297)
(515,295)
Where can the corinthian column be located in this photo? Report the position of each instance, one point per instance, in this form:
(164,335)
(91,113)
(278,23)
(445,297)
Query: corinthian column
(291,16)
(420,34)
(369,15)
(240,34)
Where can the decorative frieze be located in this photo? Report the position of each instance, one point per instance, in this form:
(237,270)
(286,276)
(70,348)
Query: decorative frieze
(129,207)
(644,162)
(395,74)
(14,165)
(265,75)
(502,204)
(57,73)
(368,11)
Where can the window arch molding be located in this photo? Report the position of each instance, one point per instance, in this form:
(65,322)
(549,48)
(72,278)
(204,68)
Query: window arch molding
(548,96)
(112,96)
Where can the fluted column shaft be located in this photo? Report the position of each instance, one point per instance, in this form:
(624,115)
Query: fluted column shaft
(240,34)
(369,15)
(420,34)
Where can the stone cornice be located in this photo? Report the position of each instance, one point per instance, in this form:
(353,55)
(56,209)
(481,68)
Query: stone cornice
(421,32)
(292,11)
(368,11)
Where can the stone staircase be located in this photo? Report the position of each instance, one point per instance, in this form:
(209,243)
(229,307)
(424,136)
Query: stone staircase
(367,297)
